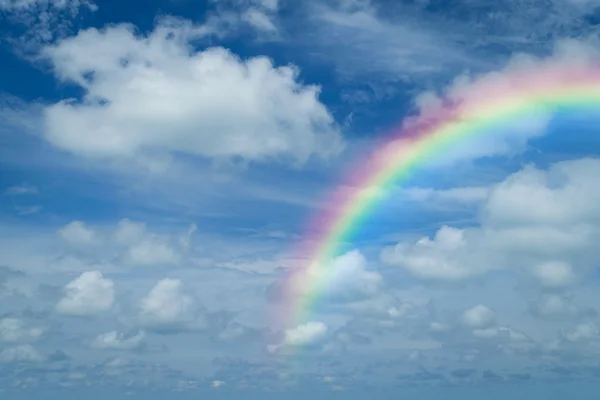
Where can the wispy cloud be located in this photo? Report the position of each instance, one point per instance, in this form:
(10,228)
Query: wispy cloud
(431,41)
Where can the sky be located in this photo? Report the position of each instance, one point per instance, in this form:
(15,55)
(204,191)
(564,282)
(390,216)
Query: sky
(160,162)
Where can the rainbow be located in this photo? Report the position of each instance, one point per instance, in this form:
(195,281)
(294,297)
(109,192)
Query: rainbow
(483,106)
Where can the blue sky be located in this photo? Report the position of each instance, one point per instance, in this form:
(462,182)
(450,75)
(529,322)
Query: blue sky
(159,160)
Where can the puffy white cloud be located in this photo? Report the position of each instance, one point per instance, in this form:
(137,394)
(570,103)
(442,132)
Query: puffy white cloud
(89,294)
(217,384)
(554,274)
(344,279)
(130,243)
(151,252)
(583,332)
(307,334)
(143,248)
(347,278)
(167,308)
(129,232)
(154,94)
(14,330)
(446,257)
(78,235)
(564,194)
(114,340)
(20,354)
(303,334)
(478,317)
(544,221)
(558,306)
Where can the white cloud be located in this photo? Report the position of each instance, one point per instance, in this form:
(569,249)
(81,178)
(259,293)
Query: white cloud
(20,354)
(152,252)
(14,330)
(565,194)
(554,274)
(555,305)
(77,234)
(259,19)
(28,4)
(459,195)
(541,220)
(168,308)
(344,279)
(217,384)
(583,332)
(151,95)
(505,333)
(45,19)
(143,248)
(307,333)
(114,340)
(89,294)
(443,258)
(478,317)
(393,47)
(130,243)
(347,278)
(271,5)
(129,232)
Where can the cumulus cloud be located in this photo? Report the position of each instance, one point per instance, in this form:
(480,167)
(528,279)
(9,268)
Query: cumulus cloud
(14,330)
(583,332)
(306,334)
(217,384)
(346,278)
(89,294)
(130,243)
(78,235)
(138,246)
(167,308)
(114,340)
(543,221)
(558,306)
(478,316)
(554,274)
(152,94)
(152,252)
(442,258)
